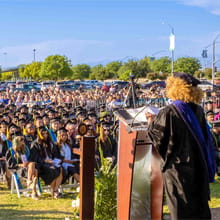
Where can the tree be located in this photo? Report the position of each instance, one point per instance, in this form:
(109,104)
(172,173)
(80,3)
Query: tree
(208,73)
(161,65)
(99,71)
(187,65)
(56,67)
(31,70)
(145,66)
(112,69)
(125,75)
(199,74)
(81,71)
(152,76)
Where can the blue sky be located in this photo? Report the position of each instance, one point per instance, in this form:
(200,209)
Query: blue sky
(99,31)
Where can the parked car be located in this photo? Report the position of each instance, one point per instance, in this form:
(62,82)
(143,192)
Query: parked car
(26,88)
(66,87)
(206,85)
(148,85)
(120,84)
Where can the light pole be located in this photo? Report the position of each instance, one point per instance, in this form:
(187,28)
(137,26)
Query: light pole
(5,54)
(34,50)
(213,58)
(172,46)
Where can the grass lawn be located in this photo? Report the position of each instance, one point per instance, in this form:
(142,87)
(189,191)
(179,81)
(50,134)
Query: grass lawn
(48,208)
(11,207)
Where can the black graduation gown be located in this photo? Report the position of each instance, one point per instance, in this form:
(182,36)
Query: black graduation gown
(185,178)
(48,172)
(3,151)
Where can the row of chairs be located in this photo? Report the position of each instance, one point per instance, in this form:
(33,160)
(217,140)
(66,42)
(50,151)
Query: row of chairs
(18,186)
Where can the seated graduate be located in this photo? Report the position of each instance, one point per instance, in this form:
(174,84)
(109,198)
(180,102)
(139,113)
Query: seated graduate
(46,156)
(29,133)
(18,161)
(107,144)
(3,165)
(69,165)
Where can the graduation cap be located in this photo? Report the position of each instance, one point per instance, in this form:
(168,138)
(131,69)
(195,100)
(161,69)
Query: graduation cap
(102,107)
(209,102)
(57,119)
(215,124)
(3,122)
(44,115)
(78,108)
(189,79)
(16,134)
(209,113)
(92,114)
(106,124)
(21,120)
(30,121)
(60,130)
(80,113)
(12,125)
(86,119)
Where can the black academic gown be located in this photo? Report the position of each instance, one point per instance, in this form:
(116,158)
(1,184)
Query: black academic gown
(184,173)
(48,172)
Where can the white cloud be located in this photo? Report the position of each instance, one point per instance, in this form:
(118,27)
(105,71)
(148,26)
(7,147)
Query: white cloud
(212,6)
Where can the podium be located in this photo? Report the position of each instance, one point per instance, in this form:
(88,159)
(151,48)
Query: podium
(139,186)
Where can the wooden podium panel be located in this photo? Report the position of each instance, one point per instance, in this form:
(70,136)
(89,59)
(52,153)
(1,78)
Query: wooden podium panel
(140,185)
(125,171)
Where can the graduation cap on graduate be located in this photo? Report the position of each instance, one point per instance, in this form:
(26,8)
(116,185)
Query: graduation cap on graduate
(91,114)
(80,113)
(102,107)
(215,124)
(78,108)
(209,102)
(21,120)
(57,119)
(209,113)
(106,124)
(3,122)
(189,79)
(12,125)
(61,130)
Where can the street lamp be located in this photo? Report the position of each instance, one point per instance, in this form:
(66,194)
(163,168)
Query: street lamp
(34,50)
(214,61)
(5,54)
(172,46)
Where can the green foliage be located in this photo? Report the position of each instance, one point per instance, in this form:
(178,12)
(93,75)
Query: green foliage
(152,76)
(217,74)
(208,73)
(161,65)
(92,76)
(6,75)
(81,71)
(55,67)
(99,72)
(31,70)
(105,191)
(187,65)
(199,74)
(112,69)
(21,68)
(125,75)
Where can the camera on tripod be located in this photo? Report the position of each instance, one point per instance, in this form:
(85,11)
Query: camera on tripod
(132,77)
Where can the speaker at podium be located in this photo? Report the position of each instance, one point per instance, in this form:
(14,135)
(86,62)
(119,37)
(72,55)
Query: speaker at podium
(139,186)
